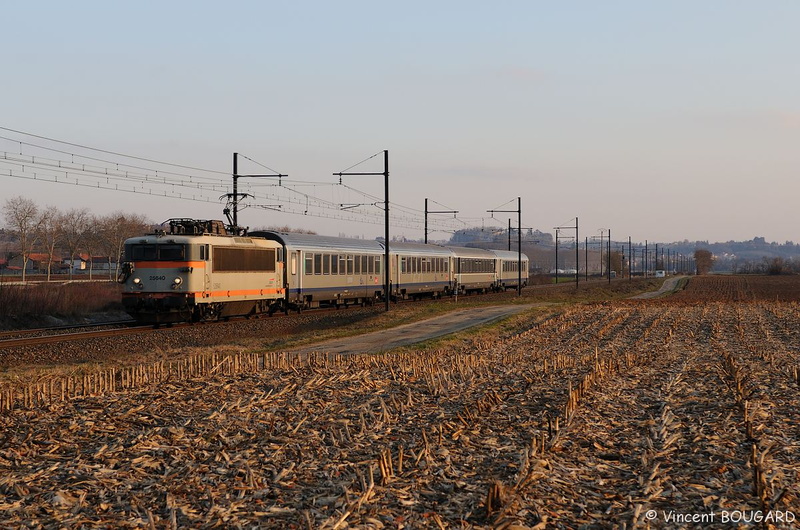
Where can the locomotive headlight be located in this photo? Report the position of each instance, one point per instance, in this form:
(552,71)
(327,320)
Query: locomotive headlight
(176,283)
(137,281)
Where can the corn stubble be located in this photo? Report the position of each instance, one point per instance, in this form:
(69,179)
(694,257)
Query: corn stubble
(592,418)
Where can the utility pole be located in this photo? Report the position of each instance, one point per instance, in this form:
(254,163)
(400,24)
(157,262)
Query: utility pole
(577,265)
(385,173)
(519,241)
(556,256)
(601,253)
(233,198)
(608,257)
(586,257)
(577,245)
(429,211)
(630,265)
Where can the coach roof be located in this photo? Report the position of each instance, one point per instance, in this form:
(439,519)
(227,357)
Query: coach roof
(322,243)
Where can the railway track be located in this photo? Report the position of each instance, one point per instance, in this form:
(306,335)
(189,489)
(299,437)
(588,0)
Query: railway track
(49,345)
(38,340)
(56,330)
(54,335)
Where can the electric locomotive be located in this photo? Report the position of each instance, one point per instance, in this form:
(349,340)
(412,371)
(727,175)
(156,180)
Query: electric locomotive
(196,271)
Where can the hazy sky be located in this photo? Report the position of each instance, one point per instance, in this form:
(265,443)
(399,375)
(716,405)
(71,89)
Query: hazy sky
(663,121)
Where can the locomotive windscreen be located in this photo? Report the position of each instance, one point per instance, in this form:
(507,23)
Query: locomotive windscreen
(149,252)
(227,259)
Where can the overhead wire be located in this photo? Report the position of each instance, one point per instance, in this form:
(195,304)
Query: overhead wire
(146,180)
(112,152)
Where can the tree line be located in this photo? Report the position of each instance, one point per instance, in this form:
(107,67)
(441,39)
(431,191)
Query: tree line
(54,232)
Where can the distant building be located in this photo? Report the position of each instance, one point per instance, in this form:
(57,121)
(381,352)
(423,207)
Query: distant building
(37,262)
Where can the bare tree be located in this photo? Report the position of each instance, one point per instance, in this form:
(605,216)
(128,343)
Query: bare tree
(703,261)
(774,266)
(49,234)
(22,217)
(91,241)
(74,227)
(114,229)
(616,262)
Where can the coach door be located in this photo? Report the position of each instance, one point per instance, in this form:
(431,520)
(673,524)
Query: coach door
(295,275)
(205,255)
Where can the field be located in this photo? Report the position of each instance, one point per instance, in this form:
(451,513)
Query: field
(604,415)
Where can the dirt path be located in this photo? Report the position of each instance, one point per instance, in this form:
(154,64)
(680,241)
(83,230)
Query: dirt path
(406,334)
(454,322)
(668,285)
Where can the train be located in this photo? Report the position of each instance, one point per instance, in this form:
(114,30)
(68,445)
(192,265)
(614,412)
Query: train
(194,270)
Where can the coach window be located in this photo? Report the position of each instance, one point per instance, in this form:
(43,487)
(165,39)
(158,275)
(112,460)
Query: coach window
(349,264)
(294,265)
(342,264)
(309,264)
(358,264)
(364,265)
(334,264)
(402,264)
(326,264)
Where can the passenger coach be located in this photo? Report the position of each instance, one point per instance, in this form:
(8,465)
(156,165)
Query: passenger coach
(329,270)
(474,269)
(420,270)
(508,271)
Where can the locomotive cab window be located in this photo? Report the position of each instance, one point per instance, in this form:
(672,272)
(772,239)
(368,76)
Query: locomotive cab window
(149,252)
(142,253)
(170,252)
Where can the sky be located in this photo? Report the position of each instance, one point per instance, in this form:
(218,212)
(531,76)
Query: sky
(661,121)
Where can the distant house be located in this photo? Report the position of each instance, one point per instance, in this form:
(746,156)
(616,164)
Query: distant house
(83,262)
(104,263)
(37,262)
(77,264)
